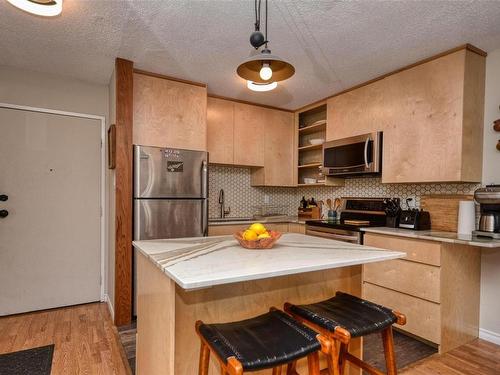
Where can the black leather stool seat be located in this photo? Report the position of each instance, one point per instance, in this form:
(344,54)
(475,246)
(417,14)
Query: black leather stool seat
(268,340)
(356,315)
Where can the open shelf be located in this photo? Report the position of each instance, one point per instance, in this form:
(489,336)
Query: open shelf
(312,129)
(310,165)
(311,124)
(311,147)
(316,184)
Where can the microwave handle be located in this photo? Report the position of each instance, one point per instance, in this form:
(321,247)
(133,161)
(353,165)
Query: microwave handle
(367,142)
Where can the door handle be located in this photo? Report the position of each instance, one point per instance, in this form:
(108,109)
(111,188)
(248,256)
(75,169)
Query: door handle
(367,142)
(3,213)
(3,197)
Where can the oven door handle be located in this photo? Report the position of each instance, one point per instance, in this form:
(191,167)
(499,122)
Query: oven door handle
(332,236)
(367,142)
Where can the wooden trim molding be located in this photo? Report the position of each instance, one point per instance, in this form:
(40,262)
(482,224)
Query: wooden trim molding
(124,71)
(161,76)
(249,103)
(467,46)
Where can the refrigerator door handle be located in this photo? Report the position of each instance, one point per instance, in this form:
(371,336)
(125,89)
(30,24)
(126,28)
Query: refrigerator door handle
(204,179)
(204,217)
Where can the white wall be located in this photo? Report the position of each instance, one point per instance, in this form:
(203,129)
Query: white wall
(490,266)
(36,89)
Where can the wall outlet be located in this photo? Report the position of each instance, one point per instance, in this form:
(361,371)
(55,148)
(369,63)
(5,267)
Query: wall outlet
(266,199)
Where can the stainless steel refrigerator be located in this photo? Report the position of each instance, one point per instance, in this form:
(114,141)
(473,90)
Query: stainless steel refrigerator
(170,195)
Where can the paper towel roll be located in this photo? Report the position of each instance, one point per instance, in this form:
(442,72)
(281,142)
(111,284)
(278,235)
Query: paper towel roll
(466,217)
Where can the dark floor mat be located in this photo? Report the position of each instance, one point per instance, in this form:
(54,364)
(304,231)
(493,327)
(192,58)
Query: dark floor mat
(407,350)
(35,361)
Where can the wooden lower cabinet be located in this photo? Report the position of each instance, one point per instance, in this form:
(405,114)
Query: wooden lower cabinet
(226,230)
(437,286)
(223,230)
(423,317)
(297,228)
(419,280)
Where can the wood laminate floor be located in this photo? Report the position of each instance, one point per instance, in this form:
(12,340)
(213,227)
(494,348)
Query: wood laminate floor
(85,339)
(478,357)
(86,342)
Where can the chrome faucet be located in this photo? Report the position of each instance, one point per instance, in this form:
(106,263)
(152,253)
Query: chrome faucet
(222,202)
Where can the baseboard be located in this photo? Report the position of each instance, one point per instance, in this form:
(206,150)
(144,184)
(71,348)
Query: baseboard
(489,336)
(110,306)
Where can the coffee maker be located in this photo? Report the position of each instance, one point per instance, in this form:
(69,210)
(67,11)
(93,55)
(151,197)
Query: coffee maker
(489,201)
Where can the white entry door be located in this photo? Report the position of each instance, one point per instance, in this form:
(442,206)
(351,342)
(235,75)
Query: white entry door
(50,169)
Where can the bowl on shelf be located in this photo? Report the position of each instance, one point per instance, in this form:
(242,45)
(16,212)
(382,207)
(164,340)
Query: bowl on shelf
(316,141)
(309,180)
(259,244)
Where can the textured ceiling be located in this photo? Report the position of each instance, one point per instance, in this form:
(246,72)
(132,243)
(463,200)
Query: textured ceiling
(333,45)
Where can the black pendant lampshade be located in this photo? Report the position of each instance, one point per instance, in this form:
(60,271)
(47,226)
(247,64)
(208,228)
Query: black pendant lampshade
(263,68)
(250,68)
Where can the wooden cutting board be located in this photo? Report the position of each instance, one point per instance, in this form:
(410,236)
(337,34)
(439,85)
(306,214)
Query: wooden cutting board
(443,210)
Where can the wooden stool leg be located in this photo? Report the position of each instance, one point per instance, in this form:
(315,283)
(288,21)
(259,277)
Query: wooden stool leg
(390,359)
(277,370)
(344,348)
(313,363)
(332,359)
(291,368)
(204,359)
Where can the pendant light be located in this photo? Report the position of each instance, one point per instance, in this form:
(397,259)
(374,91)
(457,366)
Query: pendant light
(45,8)
(260,87)
(264,67)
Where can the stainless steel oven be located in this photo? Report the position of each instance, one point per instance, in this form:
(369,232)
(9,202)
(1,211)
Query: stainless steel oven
(357,155)
(337,234)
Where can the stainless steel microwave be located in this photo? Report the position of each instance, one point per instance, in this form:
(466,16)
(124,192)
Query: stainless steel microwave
(351,156)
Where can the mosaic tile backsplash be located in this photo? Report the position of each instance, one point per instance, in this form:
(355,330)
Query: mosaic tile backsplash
(241,197)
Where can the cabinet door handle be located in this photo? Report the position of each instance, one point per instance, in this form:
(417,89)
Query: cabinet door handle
(3,213)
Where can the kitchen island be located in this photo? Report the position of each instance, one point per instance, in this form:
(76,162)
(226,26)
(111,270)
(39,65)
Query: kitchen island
(213,279)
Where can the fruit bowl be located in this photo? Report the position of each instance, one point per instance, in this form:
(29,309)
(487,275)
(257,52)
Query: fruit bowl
(263,243)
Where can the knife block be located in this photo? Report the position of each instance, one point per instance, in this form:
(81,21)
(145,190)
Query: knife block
(311,213)
(392,221)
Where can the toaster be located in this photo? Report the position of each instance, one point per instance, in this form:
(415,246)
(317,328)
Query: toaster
(415,219)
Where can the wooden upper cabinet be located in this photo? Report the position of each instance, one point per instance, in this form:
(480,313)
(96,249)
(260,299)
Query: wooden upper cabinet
(252,136)
(278,139)
(249,135)
(359,111)
(169,113)
(431,115)
(220,130)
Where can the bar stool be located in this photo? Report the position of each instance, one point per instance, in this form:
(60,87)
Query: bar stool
(267,341)
(343,317)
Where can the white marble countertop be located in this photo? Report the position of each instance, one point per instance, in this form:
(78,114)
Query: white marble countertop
(432,235)
(202,262)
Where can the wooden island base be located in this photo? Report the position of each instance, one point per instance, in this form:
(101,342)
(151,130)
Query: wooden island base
(166,339)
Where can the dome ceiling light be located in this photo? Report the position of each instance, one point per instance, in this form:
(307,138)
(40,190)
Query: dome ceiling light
(263,68)
(44,8)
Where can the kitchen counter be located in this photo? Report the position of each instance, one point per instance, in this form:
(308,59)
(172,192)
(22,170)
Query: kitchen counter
(213,279)
(431,235)
(204,262)
(284,219)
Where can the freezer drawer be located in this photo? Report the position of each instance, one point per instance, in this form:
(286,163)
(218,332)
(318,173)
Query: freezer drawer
(170,173)
(170,218)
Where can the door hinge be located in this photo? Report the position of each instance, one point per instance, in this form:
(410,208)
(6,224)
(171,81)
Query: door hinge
(100,211)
